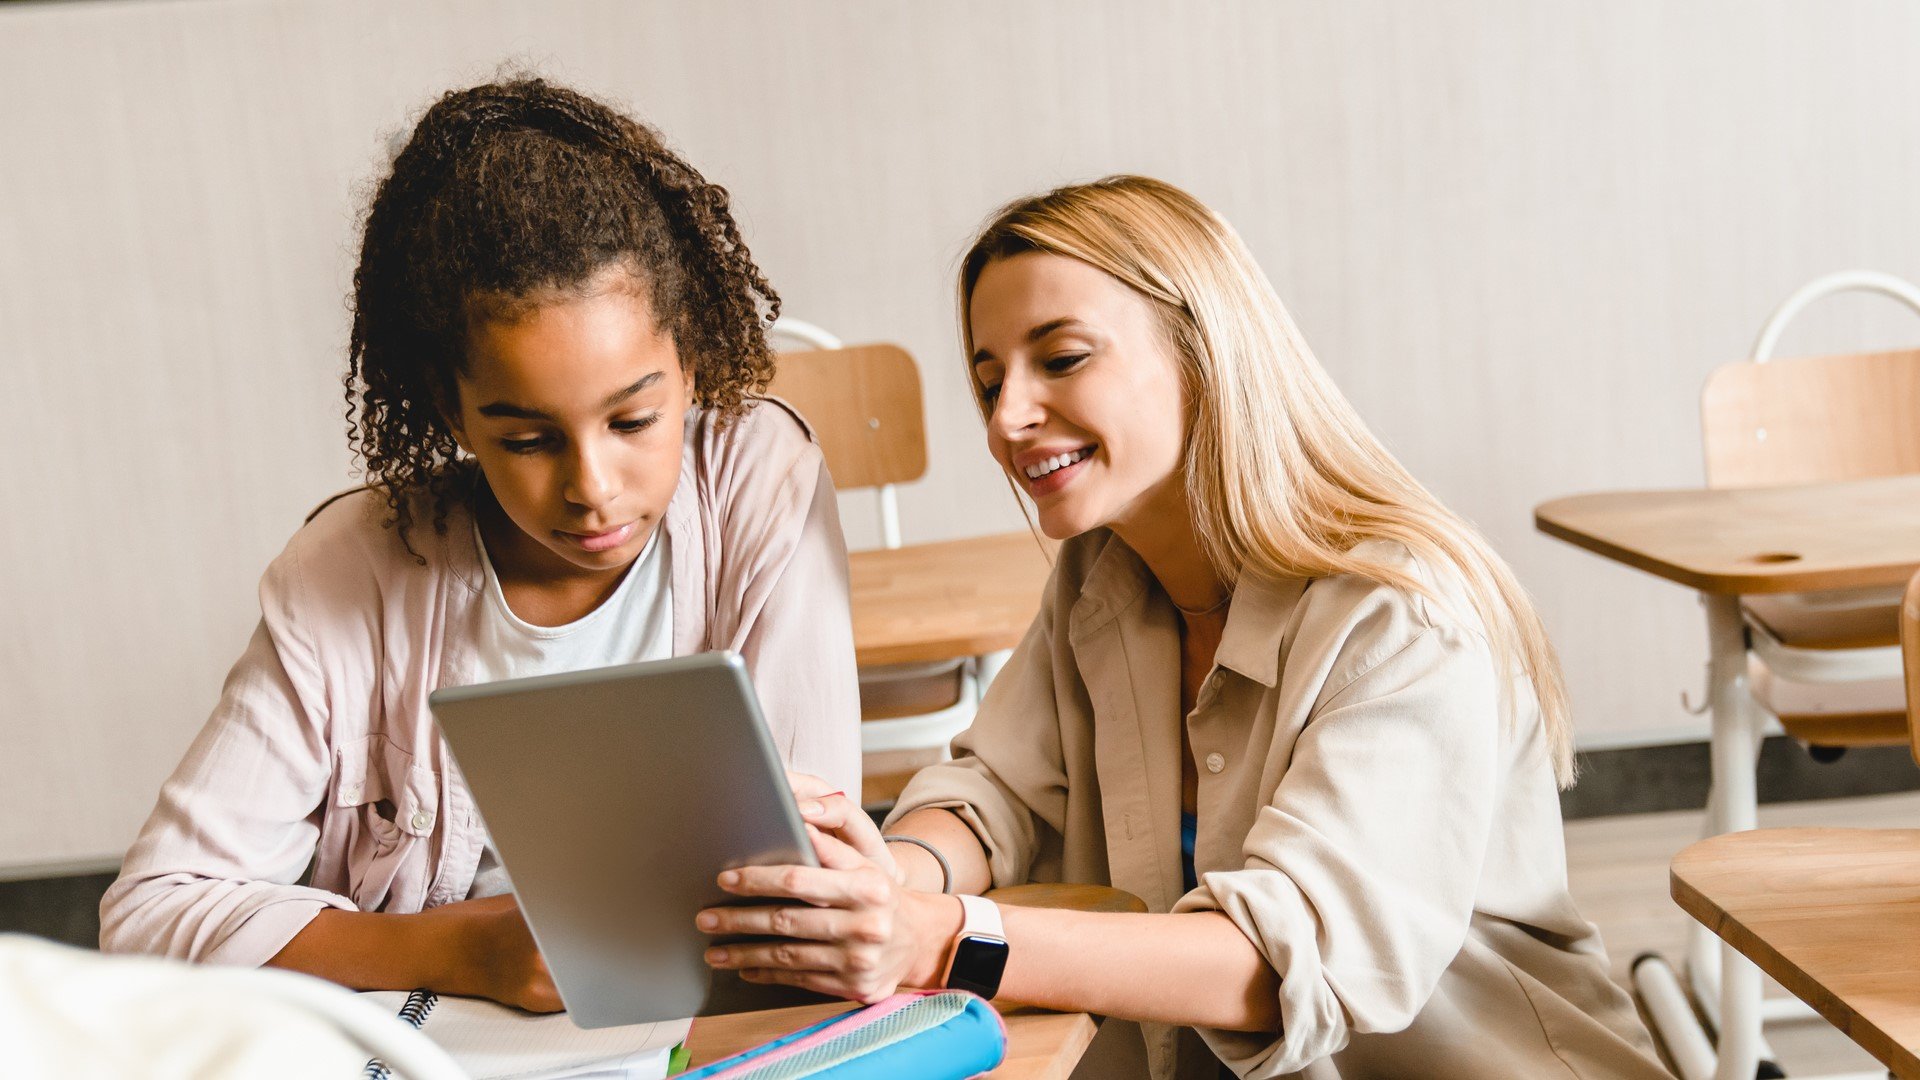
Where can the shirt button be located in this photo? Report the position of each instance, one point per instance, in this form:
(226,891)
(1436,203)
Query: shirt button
(1216,762)
(423,820)
(351,793)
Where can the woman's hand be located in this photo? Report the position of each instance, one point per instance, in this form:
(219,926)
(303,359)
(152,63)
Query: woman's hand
(855,933)
(489,952)
(828,810)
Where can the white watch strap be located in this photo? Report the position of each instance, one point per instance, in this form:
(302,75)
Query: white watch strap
(981,918)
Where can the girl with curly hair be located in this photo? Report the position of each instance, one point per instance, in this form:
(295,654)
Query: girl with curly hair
(554,384)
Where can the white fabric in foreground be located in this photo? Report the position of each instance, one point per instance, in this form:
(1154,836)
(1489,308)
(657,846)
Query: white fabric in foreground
(71,1013)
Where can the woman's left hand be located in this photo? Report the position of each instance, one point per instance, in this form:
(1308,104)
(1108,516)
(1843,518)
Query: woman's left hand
(830,811)
(854,933)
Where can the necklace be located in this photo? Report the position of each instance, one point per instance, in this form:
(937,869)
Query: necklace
(1194,613)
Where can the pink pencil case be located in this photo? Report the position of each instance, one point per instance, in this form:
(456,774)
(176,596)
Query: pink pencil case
(930,1034)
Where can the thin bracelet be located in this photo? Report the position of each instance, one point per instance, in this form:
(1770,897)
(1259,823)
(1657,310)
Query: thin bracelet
(946,870)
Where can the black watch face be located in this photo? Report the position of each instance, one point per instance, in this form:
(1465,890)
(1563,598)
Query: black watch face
(978,964)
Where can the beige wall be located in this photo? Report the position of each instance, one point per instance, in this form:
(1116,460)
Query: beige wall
(1519,233)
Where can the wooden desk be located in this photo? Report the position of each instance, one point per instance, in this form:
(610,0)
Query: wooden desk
(945,600)
(1040,1045)
(1725,544)
(1832,914)
(1806,538)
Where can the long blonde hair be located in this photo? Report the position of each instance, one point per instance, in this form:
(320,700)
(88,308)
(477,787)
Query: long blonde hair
(1282,476)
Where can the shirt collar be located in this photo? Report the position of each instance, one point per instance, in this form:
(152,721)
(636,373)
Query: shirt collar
(1114,582)
(1256,620)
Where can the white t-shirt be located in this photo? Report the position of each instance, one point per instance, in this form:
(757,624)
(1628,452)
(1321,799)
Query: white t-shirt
(635,623)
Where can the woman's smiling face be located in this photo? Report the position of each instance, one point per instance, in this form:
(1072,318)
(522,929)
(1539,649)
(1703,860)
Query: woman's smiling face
(574,409)
(1082,389)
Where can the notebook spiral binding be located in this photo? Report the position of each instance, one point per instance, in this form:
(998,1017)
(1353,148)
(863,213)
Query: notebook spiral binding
(414,1013)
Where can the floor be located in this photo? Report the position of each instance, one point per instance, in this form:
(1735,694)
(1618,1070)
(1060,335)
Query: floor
(1618,870)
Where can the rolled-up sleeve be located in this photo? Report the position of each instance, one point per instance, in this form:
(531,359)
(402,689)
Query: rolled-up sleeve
(1008,778)
(212,876)
(1360,876)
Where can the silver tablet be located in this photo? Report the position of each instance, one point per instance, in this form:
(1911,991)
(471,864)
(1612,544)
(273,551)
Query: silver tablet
(615,797)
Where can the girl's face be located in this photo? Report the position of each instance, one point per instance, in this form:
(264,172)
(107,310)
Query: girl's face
(574,412)
(1083,391)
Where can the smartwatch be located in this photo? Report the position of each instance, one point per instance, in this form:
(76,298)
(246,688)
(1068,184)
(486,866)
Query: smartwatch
(979,954)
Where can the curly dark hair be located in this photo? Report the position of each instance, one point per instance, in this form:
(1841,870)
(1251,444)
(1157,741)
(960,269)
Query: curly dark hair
(505,193)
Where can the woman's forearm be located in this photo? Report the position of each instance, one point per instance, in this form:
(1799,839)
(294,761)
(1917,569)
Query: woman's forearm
(944,830)
(1193,969)
(869,921)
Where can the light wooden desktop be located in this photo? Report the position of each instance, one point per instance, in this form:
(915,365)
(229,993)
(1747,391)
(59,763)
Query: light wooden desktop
(1833,915)
(948,599)
(1752,541)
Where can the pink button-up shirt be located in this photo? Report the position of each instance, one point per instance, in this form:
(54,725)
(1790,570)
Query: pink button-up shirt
(322,764)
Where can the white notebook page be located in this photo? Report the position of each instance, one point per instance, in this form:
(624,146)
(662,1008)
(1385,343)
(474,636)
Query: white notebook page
(493,1042)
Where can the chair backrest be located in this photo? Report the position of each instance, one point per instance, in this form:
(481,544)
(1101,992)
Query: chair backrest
(1819,420)
(864,405)
(1910,648)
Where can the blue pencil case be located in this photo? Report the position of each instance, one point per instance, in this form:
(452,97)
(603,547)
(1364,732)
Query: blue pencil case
(931,1034)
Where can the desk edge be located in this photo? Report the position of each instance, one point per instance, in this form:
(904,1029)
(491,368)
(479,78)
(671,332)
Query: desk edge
(1880,1044)
(1761,583)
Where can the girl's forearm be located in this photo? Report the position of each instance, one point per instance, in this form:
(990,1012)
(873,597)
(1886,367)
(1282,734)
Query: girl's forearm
(374,951)
(1194,969)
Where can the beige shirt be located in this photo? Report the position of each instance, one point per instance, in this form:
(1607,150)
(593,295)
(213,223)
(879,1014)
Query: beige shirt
(321,763)
(1387,838)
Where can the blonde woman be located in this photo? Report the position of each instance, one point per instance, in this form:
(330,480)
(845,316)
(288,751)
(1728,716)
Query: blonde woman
(1275,690)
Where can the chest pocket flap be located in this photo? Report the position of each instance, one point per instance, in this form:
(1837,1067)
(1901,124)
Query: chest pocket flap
(373,770)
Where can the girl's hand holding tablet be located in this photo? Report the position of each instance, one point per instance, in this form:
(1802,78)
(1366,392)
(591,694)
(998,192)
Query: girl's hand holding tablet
(497,953)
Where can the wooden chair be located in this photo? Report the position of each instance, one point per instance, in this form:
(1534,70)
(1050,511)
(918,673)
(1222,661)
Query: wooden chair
(1828,665)
(864,404)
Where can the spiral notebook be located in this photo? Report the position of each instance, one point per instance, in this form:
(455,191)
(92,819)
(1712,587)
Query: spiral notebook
(493,1042)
